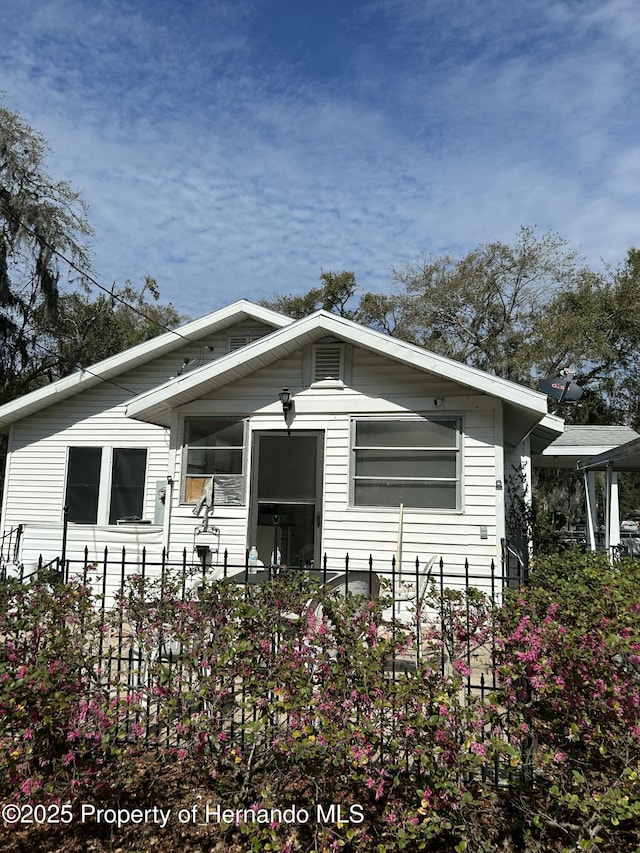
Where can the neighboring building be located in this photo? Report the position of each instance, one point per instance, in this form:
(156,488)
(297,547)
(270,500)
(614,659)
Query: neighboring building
(592,448)
(388,449)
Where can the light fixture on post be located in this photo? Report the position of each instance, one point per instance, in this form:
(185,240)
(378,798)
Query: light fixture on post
(287,404)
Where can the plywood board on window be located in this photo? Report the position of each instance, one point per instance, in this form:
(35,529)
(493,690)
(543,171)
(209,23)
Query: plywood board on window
(194,488)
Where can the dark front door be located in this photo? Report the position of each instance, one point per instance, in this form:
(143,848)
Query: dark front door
(286,496)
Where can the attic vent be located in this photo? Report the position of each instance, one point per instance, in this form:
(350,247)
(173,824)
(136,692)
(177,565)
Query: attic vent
(239,341)
(327,362)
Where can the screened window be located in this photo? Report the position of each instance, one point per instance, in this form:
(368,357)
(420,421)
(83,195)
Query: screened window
(88,480)
(415,462)
(83,484)
(214,447)
(128,477)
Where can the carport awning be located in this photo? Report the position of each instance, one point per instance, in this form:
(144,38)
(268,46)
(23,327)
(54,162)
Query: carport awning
(625,457)
(585,445)
(591,448)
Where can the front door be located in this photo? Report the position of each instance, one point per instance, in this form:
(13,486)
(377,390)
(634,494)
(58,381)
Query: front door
(286,496)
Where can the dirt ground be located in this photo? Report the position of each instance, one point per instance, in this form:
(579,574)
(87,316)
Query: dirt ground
(157,814)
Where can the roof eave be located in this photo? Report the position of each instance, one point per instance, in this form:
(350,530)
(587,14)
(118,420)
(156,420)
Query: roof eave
(278,344)
(625,456)
(109,368)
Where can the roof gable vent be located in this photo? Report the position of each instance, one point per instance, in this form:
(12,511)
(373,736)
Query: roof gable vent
(328,362)
(238,341)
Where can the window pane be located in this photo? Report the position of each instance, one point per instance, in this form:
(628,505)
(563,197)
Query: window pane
(83,483)
(411,494)
(405,463)
(214,432)
(400,433)
(127,483)
(214,461)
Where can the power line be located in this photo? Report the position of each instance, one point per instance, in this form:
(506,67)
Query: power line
(93,281)
(84,370)
(109,292)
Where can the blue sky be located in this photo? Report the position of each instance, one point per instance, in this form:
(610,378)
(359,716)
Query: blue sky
(236,149)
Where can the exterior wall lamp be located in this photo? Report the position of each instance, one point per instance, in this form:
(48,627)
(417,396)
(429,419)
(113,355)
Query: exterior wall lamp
(286,399)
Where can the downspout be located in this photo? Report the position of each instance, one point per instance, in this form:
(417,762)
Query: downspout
(500,484)
(171,479)
(400,532)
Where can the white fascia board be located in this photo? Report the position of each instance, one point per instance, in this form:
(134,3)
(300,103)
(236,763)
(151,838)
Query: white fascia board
(545,432)
(285,341)
(553,423)
(615,454)
(578,451)
(133,357)
(440,365)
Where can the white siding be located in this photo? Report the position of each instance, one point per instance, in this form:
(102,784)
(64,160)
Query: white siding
(378,387)
(36,467)
(38,453)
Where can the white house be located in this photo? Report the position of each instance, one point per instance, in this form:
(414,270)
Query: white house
(387,448)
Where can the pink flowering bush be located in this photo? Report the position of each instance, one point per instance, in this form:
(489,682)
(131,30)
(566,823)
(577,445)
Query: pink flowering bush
(56,724)
(280,693)
(286,690)
(568,654)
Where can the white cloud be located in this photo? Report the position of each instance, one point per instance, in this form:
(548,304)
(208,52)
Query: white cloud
(225,172)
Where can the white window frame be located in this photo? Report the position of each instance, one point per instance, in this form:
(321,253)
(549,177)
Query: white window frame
(458,449)
(219,492)
(144,482)
(105,481)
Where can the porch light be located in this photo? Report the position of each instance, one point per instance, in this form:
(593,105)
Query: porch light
(287,402)
(286,399)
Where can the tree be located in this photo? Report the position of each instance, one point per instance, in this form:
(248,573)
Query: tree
(481,309)
(333,295)
(521,311)
(596,328)
(50,325)
(40,220)
(89,330)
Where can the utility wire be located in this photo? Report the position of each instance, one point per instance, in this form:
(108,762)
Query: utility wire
(93,281)
(113,295)
(109,292)
(84,370)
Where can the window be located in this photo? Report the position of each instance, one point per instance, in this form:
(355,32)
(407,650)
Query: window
(83,484)
(97,493)
(413,461)
(128,477)
(214,447)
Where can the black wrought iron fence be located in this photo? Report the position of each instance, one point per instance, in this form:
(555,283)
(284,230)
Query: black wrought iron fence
(442,613)
(10,548)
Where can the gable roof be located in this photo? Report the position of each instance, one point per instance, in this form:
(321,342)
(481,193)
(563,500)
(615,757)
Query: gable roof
(134,357)
(527,407)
